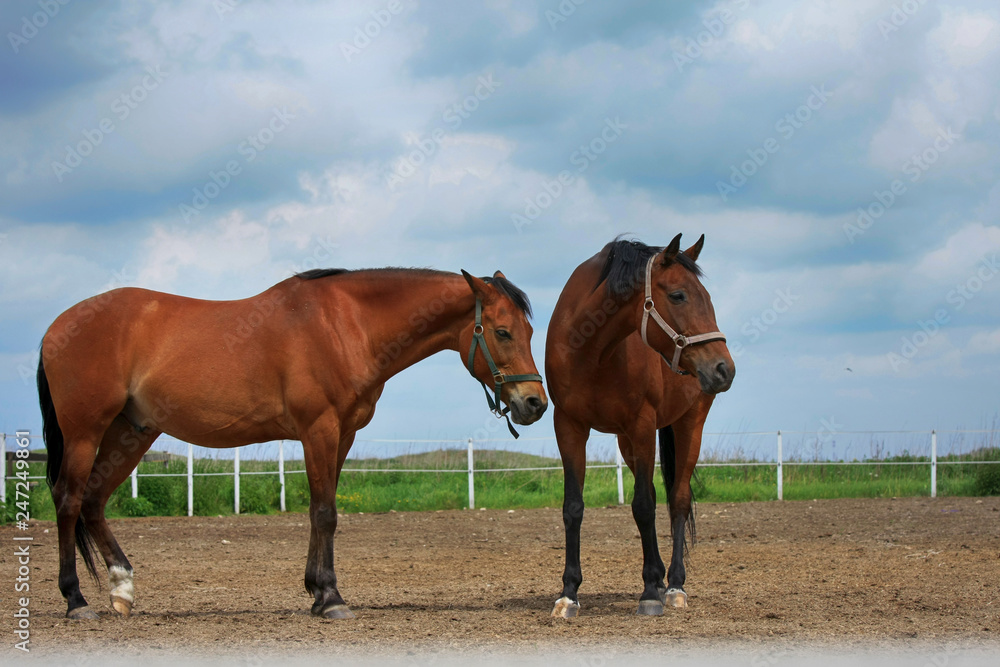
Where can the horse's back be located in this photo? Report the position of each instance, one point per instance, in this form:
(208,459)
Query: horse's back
(174,362)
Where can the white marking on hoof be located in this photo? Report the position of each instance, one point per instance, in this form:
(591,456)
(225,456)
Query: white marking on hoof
(338,612)
(676,598)
(122,589)
(650,608)
(566,608)
(82,614)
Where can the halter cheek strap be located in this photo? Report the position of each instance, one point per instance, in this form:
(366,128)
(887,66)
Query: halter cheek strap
(680,342)
(479,340)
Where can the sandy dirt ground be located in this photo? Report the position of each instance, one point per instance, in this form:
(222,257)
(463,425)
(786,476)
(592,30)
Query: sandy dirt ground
(762,576)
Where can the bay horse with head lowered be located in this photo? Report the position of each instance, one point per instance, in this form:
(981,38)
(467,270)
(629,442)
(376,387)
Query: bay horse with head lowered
(305,360)
(633,349)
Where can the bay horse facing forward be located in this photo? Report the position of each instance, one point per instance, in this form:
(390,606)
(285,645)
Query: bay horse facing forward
(305,360)
(633,349)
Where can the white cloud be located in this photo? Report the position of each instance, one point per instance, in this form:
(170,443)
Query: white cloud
(961,253)
(965,38)
(856,302)
(182,259)
(912,127)
(985,342)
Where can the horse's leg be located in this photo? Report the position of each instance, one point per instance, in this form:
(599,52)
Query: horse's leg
(121,450)
(572,439)
(79,452)
(320,446)
(687,447)
(639,452)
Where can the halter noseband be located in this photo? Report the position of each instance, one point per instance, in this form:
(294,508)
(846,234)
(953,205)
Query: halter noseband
(681,342)
(478,339)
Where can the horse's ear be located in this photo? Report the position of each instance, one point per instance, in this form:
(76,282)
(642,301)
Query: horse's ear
(499,274)
(478,287)
(695,251)
(670,253)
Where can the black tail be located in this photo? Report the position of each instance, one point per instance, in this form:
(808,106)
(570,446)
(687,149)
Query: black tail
(54,446)
(668,464)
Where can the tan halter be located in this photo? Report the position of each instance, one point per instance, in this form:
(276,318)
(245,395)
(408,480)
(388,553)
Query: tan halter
(681,342)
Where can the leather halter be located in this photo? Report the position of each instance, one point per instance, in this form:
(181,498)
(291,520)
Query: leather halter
(681,342)
(479,340)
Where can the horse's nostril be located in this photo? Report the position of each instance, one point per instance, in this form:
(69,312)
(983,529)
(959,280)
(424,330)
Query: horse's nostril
(722,371)
(534,402)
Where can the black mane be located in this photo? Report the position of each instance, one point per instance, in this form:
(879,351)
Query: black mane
(313,274)
(504,286)
(511,291)
(624,270)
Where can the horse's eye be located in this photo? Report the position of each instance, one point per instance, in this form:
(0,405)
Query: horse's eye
(678,297)
(503,334)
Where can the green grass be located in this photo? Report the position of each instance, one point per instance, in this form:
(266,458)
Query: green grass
(388,489)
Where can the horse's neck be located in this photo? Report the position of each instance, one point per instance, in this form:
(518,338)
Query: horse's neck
(601,325)
(412,317)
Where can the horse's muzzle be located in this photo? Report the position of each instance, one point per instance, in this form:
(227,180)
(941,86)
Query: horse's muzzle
(717,377)
(528,409)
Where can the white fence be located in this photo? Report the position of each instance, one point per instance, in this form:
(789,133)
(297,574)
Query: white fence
(778,463)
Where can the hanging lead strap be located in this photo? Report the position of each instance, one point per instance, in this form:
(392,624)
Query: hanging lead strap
(478,339)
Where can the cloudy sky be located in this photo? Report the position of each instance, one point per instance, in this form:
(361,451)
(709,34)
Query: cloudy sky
(842,158)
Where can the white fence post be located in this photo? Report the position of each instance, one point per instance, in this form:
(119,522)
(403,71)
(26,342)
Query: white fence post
(236,481)
(281,473)
(934,464)
(618,470)
(472,484)
(3,468)
(190,479)
(781,480)
(135,479)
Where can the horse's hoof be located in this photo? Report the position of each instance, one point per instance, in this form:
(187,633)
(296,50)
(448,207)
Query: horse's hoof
(650,608)
(84,613)
(337,612)
(566,608)
(121,605)
(661,592)
(676,598)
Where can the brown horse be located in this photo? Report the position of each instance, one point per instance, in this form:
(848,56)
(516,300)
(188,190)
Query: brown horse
(609,368)
(305,360)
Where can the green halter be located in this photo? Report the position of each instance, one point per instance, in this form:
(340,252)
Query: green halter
(478,339)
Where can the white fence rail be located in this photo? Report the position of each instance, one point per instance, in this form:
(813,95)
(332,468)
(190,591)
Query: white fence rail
(779,462)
